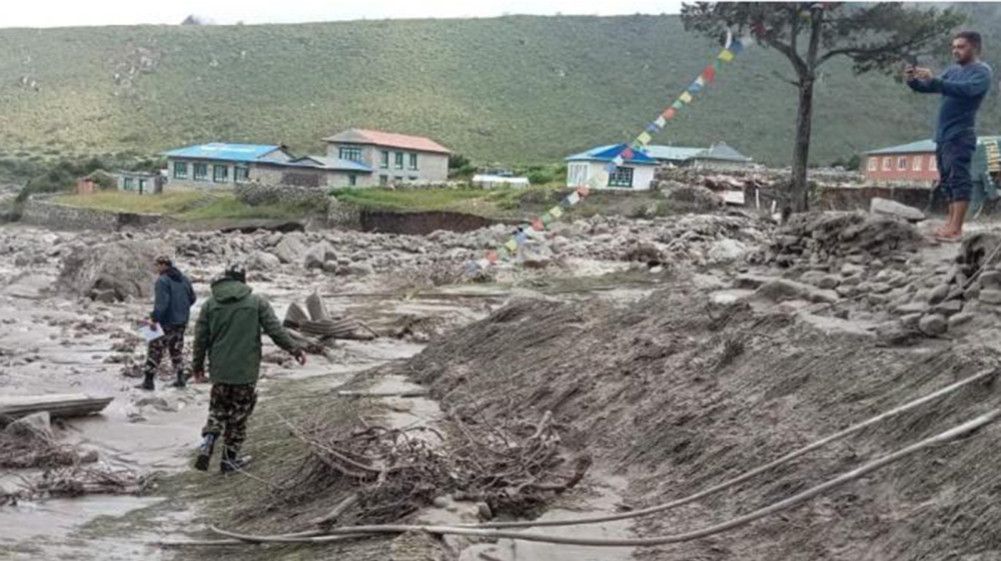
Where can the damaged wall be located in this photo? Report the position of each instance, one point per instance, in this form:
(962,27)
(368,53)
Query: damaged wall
(65,217)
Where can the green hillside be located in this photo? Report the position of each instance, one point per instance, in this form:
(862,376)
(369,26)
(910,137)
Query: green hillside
(510,90)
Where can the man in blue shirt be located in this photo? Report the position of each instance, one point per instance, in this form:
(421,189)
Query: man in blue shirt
(963,87)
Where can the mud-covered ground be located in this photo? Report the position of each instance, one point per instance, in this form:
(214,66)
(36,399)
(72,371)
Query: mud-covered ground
(675,353)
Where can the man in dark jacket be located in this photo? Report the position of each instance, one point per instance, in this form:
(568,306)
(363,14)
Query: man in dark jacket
(963,87)
(173,298)
(228,333)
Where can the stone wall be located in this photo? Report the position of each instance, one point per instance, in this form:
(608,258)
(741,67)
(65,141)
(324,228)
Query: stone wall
(64,217)
(858,198)
(255,194)
(420,223)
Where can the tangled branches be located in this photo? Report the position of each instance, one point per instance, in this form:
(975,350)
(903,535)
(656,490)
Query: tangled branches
(394,472)
(77,480)
(38,451)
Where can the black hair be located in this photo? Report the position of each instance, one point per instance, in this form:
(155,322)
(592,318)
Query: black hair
(973,38)
(162,260)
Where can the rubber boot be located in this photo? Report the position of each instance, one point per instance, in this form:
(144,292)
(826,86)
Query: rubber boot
(147,383)
(232,461)
(179,381)
(205,452)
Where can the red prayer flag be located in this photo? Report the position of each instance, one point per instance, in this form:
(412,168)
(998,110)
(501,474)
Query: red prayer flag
(709,74)
(538,225)
(627,153)
(492,256)
(584,191)
(670,113)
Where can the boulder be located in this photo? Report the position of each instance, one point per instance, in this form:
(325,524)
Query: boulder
(887,207)
(263,261)
(829,282)
(939,293)
(320,254)
(32,427)
(948,308)
(933,325)
(726,250)
(290,249)
(360,269)
(990,296)
(781,290)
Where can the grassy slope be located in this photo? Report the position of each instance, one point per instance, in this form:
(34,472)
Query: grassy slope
(188,206)
(513,89)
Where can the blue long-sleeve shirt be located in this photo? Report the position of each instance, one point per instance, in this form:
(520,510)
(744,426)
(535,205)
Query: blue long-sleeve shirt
(963,89)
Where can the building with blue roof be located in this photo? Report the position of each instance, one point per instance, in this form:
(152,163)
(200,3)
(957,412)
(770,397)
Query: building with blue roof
(636,171)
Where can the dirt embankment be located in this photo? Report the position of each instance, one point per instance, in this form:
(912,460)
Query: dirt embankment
(681,394)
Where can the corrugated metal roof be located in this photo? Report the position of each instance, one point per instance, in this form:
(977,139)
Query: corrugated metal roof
(674,153)
(912,148)
(608,153)
(224,151)
(389,139)
(336,164)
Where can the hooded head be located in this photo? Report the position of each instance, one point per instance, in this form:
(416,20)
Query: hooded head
(235,271)
(232,286)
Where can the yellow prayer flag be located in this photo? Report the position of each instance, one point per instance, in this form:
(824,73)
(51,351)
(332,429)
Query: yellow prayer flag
(686,97)
(511,245)
(644,138)
(556,212)
(726,55)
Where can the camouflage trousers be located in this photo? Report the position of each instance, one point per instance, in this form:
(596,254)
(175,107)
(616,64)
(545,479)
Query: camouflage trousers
(230,406)
(172,342)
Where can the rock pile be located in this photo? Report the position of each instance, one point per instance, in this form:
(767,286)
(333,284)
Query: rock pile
(833,238)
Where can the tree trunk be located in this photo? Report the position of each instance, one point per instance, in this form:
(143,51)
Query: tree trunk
(798,193)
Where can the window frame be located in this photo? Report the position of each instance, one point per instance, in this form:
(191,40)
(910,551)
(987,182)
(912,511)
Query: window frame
(916,165)
(932,163)
(902,163)
(873,163)
(887,163)
(205,171)
(383,180)
(413,164)
(384,159)
(215,174)
(141,185)
(127,184)
(236,172)
(349,153)
(181,166)
(614,181)
(398,160)
(352,180)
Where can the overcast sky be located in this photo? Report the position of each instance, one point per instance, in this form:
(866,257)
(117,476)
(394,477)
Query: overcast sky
(61,13)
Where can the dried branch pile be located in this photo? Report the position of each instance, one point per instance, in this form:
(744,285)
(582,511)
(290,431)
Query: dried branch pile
(393,472)
(78,480)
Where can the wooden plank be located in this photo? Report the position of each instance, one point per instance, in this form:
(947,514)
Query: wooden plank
(58,406)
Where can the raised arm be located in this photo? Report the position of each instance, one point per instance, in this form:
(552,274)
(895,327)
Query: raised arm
(973,84)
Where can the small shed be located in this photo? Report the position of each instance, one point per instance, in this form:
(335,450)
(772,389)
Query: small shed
(636,172)
(140,183)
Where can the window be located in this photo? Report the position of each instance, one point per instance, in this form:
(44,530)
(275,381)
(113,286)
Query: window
(180,170)
(352,180)
(384,180)
(412,178)
(127,184)
(887,163)
(902,163)
(873,163)
(577,174)
(352,153)
(917,163)
(384,159)
(413,161)
(399,160)
(932,163)
(142,186)
(621,177)
(220,174)
(201,172)
(241,173)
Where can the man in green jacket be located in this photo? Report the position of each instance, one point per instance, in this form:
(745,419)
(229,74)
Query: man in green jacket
(229,331)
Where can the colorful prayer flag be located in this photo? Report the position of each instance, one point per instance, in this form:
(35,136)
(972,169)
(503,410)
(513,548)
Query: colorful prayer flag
(627,154)
(492,256)
(696,86)
(685,97)
(618,160)
(717,64)
(610,167)
(511,245)
(520,238)
(726,55)
(670,113)
(700,81)
(661,121)
(652,127)
(677,105)
(546,219)
(556,212)
(574,198)
(737,46)
(644,138)
(709,74)
(584,191)
(538,226)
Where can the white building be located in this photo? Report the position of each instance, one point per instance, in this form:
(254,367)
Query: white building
(635,173)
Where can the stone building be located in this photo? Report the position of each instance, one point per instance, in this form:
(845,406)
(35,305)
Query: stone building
(394,158)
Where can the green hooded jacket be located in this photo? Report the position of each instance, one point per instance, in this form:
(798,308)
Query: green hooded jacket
(229,331)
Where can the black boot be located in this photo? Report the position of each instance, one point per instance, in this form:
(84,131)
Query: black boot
(205,452)
(180,381)
(232,461)
(147,383)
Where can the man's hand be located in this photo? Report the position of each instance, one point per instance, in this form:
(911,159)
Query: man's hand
(909,73)
(923,74)
(198,376)
(300,357)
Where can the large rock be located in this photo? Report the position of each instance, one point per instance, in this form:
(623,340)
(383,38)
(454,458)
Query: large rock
(290,249)
(893,208)
(263,261)
(781,290)
(319,254)
(124,269)
(933,324)
(32,427)
(692,198)
(726,250)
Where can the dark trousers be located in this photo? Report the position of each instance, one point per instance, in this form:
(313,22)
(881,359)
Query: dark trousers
(230,406)
(172,342)
(954,160)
